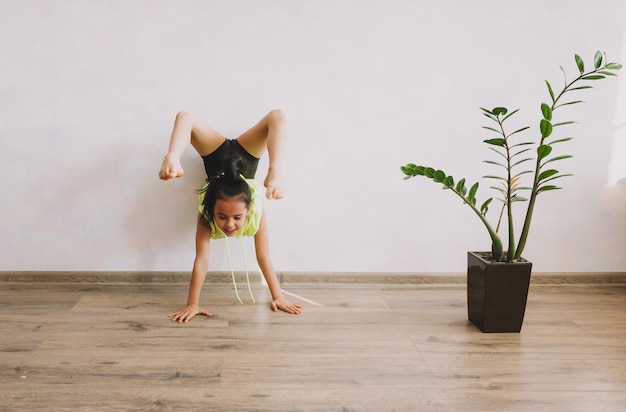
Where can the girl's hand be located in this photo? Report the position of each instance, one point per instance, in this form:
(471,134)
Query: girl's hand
(286,306)
(189,312)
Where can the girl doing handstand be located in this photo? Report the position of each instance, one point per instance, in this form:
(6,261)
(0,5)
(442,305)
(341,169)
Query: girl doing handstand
(230,203)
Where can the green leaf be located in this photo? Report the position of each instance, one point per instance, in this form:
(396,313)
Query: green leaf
(409,170)
(579,63)
(492,129)
(519,149)
(499,189)
(579,88)
(520,174)
(484,207)
(495,142)
(597,60)
(519,153)
(565,139)
(564,123)
(494,177)
(429,172)
(499,111)
(439,176)
(520,130)
(594,77)
(556,177)
(473,190)
(489,114)
(522,144)
(460,187)
(550,90)
(510,114)
(547,174)
(545,127)
(543,151)
(490,117)
(497,151)
(491,162)
(546,188)
(521,161)
(546,111)
(613,66)
(518,199)
(416,170)
(554,159)
(448,181)
(607,73)
(568,103)
(472,193)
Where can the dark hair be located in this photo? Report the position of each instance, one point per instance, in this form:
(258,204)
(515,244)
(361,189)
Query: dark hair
(226,186)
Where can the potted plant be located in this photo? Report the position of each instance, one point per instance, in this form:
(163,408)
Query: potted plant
(498,281)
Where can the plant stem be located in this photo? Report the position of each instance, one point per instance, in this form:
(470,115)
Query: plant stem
(535,187)
(496,242)
(509,204)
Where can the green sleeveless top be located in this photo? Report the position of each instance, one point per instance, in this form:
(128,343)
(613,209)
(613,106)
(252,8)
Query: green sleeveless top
(253,219)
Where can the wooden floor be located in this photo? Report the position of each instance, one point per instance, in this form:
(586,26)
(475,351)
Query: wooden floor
(94,347)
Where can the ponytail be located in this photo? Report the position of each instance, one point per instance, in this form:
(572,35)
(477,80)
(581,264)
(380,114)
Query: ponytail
(226,186)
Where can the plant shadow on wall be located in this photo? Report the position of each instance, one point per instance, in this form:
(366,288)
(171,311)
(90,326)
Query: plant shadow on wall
(498,281)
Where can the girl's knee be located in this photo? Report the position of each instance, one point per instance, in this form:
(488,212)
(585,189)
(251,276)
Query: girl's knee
(183,115)
(276,116)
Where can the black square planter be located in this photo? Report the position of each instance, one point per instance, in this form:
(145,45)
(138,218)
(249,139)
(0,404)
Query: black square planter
(497,293)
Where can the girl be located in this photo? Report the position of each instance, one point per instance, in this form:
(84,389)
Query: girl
(229,204)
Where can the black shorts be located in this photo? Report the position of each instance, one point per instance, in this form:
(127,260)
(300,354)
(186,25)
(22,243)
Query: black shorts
(214,162)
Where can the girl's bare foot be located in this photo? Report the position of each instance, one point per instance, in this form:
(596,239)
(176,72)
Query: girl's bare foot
(273,185)
(171,168)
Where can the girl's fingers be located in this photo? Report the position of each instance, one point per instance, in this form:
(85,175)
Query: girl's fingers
(292,308)
(185,317)
(204,312)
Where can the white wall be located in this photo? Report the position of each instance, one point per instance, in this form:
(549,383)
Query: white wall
(89,91)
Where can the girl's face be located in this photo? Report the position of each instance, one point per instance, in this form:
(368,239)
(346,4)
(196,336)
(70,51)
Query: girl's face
(230,214)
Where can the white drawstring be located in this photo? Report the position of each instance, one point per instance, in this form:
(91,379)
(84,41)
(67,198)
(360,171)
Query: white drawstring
(232,272)
(245,265)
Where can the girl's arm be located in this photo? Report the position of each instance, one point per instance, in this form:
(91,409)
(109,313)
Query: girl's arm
(200,267)
(261,244)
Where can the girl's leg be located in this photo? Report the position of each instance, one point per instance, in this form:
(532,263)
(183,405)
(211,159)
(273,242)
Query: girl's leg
(188,129)
(268,134)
